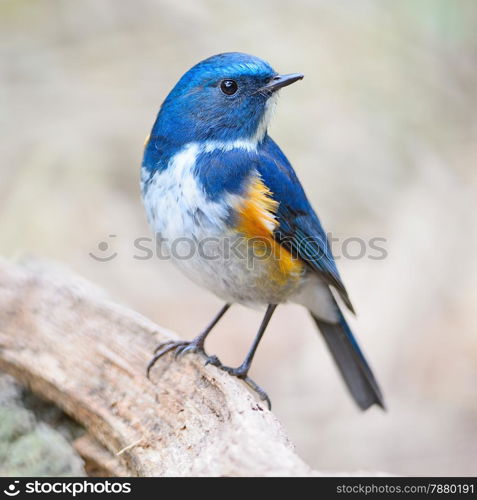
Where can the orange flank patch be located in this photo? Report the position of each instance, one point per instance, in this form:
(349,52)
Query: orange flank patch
(257,221)
(257,211)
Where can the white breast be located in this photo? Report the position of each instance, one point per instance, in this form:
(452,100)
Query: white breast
(179,211)
(174,201)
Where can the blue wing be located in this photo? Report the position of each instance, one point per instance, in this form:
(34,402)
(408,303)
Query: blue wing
(300,230)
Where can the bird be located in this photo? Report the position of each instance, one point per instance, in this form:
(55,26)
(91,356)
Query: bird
(230,212)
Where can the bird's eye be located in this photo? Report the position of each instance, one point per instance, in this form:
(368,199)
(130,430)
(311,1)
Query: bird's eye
(228,87)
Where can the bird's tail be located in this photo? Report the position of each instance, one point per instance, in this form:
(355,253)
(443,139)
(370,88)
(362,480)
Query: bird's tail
(350,361)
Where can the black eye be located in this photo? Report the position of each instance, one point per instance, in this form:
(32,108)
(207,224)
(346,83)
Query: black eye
(228,87)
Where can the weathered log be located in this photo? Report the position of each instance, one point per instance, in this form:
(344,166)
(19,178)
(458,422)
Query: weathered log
(66,341)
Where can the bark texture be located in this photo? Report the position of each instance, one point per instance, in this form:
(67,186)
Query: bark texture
(64,339)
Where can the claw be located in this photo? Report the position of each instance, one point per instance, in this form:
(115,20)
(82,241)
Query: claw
(241,374)
(186,349)
(162,345)
(180,348)
(183,347)
(162,349)
(177,352)
(213,360)
(258,390)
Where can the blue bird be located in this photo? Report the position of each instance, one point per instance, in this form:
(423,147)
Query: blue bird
(233,216)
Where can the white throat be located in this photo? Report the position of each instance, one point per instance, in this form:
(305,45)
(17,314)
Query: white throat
(251,143)
(270,107)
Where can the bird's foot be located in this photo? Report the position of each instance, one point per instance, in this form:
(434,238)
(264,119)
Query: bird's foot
(242,374)
(179,348)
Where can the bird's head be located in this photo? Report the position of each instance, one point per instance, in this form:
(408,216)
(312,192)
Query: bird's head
(228,97)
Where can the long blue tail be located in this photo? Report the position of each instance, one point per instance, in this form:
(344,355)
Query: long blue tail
(350,361)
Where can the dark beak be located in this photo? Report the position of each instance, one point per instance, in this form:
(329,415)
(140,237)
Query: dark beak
(279,81)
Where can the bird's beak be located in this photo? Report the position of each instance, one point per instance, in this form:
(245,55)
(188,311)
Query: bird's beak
(279,81)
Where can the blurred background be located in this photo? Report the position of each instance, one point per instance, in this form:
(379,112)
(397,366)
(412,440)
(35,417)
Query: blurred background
(383,134)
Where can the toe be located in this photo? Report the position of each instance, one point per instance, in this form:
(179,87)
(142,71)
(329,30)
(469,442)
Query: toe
(185,349)
(213,360)
(164,344)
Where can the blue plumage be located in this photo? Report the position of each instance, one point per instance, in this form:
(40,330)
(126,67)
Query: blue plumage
(211,173)
(299,229)
(189,112)
(220,172)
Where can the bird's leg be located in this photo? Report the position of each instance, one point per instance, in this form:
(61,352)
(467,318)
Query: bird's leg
(181,347)
(242,371)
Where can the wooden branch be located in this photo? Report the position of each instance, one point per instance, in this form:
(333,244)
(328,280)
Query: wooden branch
(65,340)
(98,462)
